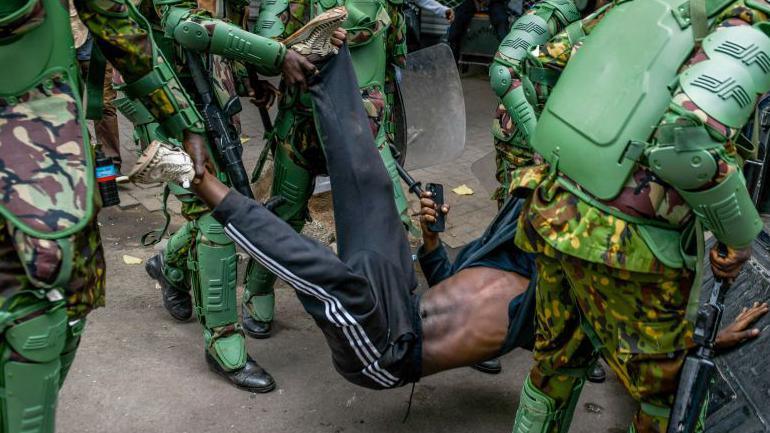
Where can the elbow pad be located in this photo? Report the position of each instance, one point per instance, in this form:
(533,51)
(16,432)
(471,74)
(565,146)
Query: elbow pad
(727,211)
(738,69)
(224,39)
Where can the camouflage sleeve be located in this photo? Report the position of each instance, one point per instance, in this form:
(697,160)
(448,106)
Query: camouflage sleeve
(396,38)
(128,48)
(683,110)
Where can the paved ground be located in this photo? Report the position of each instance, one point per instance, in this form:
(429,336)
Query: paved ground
(140,371)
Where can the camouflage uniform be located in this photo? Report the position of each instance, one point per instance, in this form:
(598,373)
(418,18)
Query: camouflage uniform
(298,155)
(52,270)
(604,286)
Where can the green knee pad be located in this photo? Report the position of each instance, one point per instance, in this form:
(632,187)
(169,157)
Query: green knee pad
(538,412)
(31,387)
(74,331)
(175,256)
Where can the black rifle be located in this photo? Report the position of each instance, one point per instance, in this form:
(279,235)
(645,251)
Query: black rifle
(699,367)
(226,140)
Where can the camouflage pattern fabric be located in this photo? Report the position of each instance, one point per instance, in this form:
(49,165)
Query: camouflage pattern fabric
(43,174)
(637,319)
(28,263)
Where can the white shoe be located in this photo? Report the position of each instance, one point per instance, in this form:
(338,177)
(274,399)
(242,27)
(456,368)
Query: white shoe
(161,162)
(313,40)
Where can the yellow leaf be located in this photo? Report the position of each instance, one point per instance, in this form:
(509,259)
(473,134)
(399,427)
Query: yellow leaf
(131,260)
(463,190)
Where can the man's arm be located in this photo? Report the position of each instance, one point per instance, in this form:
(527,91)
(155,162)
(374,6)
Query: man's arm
(506,75)
(130,49)
(702,123)
(433,258)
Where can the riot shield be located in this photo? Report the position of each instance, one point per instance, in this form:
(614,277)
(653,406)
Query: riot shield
(435,108)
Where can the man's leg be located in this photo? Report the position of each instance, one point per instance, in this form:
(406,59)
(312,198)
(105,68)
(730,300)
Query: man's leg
(32,373)
(463,16)
(295,185)
(498,17)
(106,129)
(639,321)
(563,352)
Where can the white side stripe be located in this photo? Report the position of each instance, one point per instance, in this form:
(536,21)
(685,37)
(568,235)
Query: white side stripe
(365,350)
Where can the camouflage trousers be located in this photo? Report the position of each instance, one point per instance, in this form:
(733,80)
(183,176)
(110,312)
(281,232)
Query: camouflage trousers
(635,321)
(28,263)
(511,152)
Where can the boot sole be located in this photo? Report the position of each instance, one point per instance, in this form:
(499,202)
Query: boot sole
(144,162)
(223,374)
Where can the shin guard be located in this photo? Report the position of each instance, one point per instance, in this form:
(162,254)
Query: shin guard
(30,382)
(214,273)
(538,412)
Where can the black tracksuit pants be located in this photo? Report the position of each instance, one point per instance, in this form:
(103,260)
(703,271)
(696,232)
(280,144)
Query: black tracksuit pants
(362,299)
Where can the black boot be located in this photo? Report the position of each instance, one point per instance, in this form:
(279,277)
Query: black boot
(597,374)
(491,366)
(255,328)
(178,302)
(251,377)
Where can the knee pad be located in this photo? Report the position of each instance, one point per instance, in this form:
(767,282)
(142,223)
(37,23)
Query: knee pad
(295,185)
(214,268)
(31,386)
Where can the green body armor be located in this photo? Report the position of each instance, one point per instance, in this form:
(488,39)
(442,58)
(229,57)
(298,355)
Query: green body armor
(41,55)
(588,132)
(369,57)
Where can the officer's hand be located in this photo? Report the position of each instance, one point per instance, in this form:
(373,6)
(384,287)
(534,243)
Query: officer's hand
(736,333)
(729,266)
(195,146)
(295,68)
(428,212)
(339,36)
(450,15)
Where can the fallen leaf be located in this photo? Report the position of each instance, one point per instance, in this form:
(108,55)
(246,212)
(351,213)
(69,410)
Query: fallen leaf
(244,139)
(463,190)
(131,260)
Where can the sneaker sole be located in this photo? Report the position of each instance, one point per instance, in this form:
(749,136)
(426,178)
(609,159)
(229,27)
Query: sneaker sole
(144,163)
(335,14)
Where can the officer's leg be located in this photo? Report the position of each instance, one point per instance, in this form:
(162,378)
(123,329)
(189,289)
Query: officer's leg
(213,264)
(563,354)
(463,16)
(498,17)
(34,337)
(647,353)
(295,185)
(169,268)
(75,330)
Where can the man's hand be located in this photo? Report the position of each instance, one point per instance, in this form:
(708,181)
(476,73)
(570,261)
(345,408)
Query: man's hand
(450,15)
(339,36)
(195,146)
(428,213)
(729,266)
(295,68)
(736,333)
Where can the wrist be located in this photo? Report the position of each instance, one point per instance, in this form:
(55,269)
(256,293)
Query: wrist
(430,242)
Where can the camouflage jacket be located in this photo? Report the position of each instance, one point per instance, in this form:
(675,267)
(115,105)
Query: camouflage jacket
(572,226)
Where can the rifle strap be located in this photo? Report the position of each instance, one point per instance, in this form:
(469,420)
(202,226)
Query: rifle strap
(95,84)
(154,236)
